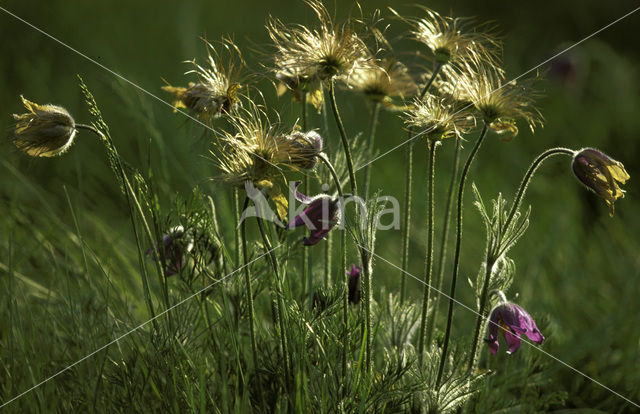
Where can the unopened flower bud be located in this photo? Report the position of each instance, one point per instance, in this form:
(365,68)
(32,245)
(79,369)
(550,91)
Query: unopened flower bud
(44,131)
(601,174)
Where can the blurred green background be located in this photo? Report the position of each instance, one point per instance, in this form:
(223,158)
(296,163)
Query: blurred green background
(575,264)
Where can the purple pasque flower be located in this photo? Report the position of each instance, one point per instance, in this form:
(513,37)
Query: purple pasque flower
(355,288)
(512,321)
(321,215)
(176,245)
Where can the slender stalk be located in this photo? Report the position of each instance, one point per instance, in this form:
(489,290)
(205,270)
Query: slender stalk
(247,281)
(406,225)
(327,259)
(343,245)
(439,272)
(370,140)
(131,202)
(456,258)
(490,261)
(436,70)
(406,228)
(367,295)
(332,170)
(279,293)
(345,302)
(343,136)
(236,217)
(429,253)
(307,275)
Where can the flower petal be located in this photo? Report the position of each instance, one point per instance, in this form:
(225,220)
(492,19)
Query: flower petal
(304,199)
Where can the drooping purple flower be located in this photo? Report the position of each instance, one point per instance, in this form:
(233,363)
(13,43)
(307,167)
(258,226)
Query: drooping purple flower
(176,244)
(355,289)
(512,321)
(321,215)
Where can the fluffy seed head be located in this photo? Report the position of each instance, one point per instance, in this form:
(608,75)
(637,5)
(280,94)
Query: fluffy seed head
(258,149)
(383,82)
(501,103)
(321,53)
(455,40)
(438,118)
(44,130)
(216,91)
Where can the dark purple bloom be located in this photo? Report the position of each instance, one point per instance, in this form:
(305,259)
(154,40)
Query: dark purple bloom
(176,244)
(321,215)
(512,321)
(355,289)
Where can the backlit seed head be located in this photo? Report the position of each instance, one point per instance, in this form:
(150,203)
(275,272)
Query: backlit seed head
(500,103)
(44,130)
(322,53)
(383,81)
(455,40)
(216,92)
(438,118)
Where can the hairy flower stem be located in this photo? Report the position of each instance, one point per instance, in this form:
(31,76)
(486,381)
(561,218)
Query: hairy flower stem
(343,136)
(439,270)
(406,228)
(435,73)
(429,252)
(132,201)
(406,225)
(307,274)
(456,257)
(322,156)
(247,280)
(367,295)
(236,218)
(490,261)
(279,294)
(370,140)
(343,243)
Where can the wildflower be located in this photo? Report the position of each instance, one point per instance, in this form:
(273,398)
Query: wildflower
(176,245)
(318,54)
(512,321)
(355,289)
(455,40)
(257,151)
(601,174)
(216,91)
(305,148)
(44,131)
(499,103)
(300,84)
(321,215)
(381,83)
(438,118)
